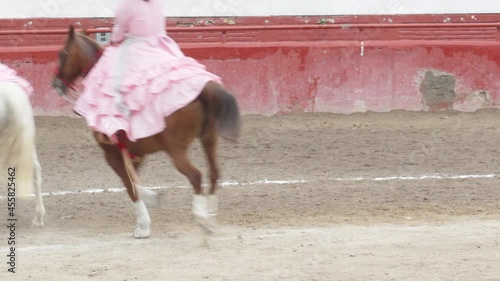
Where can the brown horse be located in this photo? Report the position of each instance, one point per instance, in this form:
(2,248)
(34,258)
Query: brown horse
(212,114)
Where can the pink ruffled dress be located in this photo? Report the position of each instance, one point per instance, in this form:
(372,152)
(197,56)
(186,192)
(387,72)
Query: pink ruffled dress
(145,78)
(8,74)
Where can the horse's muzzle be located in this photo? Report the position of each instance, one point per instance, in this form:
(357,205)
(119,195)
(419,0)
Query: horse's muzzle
(60,86)
(62,90)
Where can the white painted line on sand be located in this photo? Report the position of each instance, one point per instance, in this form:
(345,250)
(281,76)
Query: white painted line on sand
(410,178)
(285,182)
(33,248)
(39,248)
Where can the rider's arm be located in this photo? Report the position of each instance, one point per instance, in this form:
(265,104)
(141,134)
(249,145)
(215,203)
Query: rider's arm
(121,22)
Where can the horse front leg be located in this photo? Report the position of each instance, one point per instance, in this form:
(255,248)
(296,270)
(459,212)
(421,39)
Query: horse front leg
(115,160)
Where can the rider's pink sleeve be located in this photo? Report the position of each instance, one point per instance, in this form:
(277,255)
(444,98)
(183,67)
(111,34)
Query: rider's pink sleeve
(122,17)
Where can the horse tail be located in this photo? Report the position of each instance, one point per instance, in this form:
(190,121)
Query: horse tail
(224,109)
(20,134)
(25,180)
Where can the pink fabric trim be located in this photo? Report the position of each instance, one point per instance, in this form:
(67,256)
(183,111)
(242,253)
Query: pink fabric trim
(8,74)
(155,81)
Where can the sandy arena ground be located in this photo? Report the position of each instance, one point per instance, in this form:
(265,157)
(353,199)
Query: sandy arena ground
(392,196)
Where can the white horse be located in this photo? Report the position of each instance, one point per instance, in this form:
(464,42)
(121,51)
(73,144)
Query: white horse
(17,145)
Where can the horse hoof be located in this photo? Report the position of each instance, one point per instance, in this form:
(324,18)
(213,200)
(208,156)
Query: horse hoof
(208,224)
(37,223)
(141,233)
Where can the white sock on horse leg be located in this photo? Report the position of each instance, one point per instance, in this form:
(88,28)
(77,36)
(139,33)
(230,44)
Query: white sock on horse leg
(143,220)
(212,204)
(150,197)
(200,206)
(205,209)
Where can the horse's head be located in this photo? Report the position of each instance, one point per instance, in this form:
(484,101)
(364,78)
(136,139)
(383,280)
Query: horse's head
(76,59)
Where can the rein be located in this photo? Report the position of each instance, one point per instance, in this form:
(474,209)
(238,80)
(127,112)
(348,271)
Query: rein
(126,155)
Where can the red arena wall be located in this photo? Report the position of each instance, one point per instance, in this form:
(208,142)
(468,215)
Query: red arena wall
(277,65)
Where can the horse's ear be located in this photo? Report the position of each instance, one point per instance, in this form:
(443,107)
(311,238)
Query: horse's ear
(71,31)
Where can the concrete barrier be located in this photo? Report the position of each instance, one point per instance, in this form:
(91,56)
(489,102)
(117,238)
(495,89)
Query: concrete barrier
(277,65)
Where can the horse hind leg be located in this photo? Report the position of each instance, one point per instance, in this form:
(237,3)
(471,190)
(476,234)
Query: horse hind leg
(209,142)
(200,201)
(40,208)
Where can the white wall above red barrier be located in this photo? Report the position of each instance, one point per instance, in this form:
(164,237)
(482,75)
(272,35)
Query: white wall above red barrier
(216,8)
